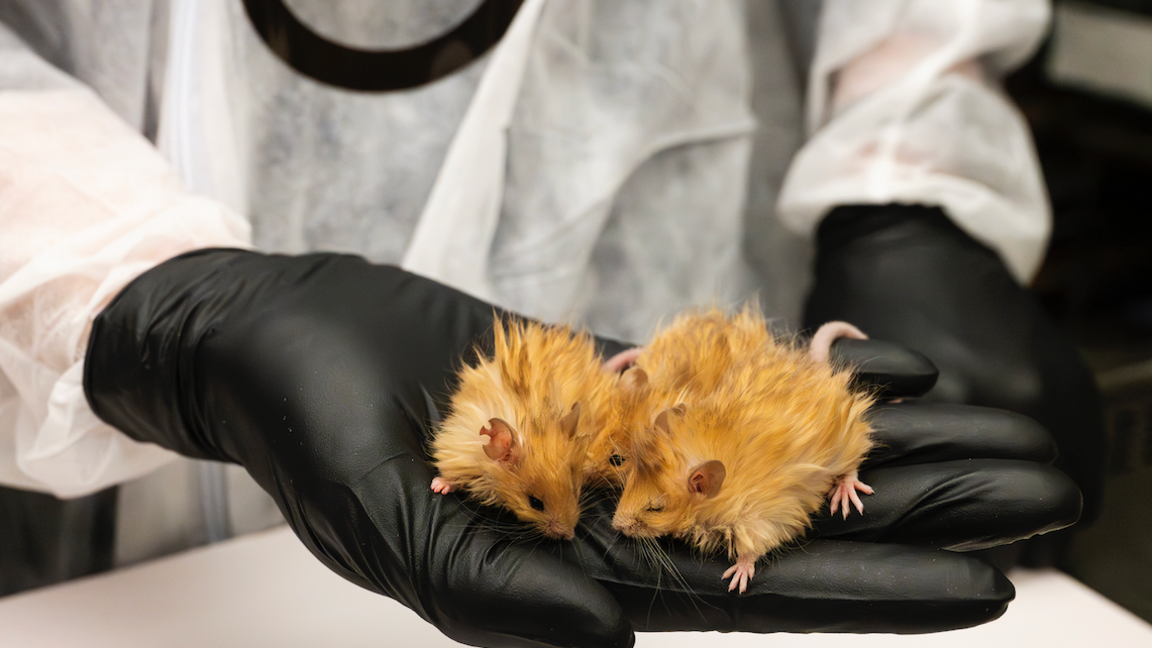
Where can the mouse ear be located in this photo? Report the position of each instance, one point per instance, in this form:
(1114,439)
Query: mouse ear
(663,419)
(634,379)
(568,423)
(707,478)
(502,444)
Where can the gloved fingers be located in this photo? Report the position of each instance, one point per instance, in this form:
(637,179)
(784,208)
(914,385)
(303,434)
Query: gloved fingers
(211,315)
(358,494)
(915,432)
(362,503)
(315,373)
(815,586)
(499,593)
(474,576)
(522,597)
(960,505)
(890,370)
(478,574)
(835,583)
(907,273)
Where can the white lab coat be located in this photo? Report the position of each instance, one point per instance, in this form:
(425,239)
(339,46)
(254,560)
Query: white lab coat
(607,162)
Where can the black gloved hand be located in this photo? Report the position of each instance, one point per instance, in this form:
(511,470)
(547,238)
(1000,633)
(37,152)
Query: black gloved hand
(319,373)
(909,275)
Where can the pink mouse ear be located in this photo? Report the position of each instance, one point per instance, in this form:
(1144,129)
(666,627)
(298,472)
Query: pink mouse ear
(707,478)
(568,423)
(663,421)
(501,442)
(634,379)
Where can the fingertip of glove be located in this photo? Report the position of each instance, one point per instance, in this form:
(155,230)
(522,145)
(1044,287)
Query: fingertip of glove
(1039,498)
(1032,440)
(593,633)
(892,369)
(620,634)
(919,432)
(594,626)
(514,595)
(1068,501)
(1025,500)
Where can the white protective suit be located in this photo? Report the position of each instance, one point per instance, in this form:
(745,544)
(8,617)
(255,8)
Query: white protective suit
(608,162)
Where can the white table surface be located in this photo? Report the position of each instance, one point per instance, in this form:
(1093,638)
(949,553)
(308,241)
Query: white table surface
(265,589)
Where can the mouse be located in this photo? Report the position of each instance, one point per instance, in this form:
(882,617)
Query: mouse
(747,434)
(635,400)
(606,463)
(685,360)
(520,421)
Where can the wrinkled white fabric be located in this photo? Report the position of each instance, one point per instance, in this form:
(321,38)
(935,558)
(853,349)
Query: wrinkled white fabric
(616,99)
(86,205)
(199,133)
(628,159)
(453,237)
(903,106)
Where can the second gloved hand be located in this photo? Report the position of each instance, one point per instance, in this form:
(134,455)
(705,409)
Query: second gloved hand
(907,274)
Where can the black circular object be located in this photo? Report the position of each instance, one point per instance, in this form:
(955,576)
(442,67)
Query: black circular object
(380,70)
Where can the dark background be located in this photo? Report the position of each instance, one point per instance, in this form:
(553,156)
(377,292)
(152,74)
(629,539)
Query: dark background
(1095,148)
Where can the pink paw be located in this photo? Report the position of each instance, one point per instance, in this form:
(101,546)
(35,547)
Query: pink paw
(844,490)
(821,346)
(741,572)
(621,361)
(442,486)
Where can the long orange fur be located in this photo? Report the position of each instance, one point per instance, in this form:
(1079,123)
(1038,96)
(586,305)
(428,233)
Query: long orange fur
(533,379)
(784,426)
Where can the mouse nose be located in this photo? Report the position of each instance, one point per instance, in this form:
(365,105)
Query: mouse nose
(559,531)
(621,524)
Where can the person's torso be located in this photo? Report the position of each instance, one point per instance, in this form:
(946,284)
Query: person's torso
(636,181)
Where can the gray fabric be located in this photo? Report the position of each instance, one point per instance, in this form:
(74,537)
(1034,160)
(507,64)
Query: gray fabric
(106,44)
(381,25)
(627,166)
(780,258)
(801,18)
(21,69)
(334,169)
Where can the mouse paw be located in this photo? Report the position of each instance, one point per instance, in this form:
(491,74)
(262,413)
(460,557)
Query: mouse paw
(741,572)
(820,348)
(442,486)
(621,361)
(844,490)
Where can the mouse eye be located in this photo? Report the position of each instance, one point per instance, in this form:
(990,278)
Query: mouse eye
(535,503)
(616,460)
(655,508)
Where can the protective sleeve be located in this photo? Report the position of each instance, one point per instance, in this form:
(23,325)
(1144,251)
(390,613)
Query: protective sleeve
(86,205)
(904,106)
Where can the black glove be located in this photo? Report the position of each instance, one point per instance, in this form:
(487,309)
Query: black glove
(320,374)
(909,275)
